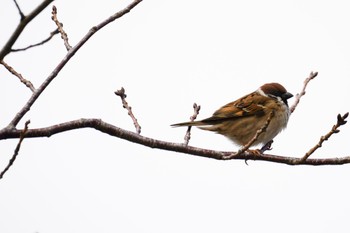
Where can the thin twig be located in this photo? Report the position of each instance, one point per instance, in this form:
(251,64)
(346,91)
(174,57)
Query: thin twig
(340,121)
(312,75)
(18,75)
(251,142)
(20,27)
(14,156)
(64,35)
(52,34)
(64,61)
(196,109)
(122,95)
(19,10)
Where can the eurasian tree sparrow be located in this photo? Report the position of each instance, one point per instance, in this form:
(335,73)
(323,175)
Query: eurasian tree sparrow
(241,119)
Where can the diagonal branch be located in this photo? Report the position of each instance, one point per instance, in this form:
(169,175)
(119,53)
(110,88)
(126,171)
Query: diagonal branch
(65,60)
(18,75)
(298,96)
(20,27)
(341,120)
(122,95)
(19,10)
(52,34)
(115,131)
(59,25)
(12,160)
(196,109)
(251,142)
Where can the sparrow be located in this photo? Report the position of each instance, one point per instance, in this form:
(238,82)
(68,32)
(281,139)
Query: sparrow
(241,119)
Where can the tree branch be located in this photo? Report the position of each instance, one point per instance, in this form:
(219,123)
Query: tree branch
(12,160)
(18,75)
(196,109)
(298,96)
(52,34)
(122,95)
(341,120)
(64,61)
(59,25)
(19,10)
(243,154)
(23,23)
(112,130)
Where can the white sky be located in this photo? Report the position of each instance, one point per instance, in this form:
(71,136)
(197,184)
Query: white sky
(167,55)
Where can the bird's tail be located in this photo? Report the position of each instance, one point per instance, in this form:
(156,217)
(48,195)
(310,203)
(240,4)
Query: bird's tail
(189,123)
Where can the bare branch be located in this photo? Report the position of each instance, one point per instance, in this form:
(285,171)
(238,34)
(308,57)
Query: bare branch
(251,142)
(23,23)
(52,34)
(18,75)
(14,156)
(312,75)
(19,10)
(340,121)
(112,130)
(122,95)
(64,35)
(243,154)
(65,60)
(196,109)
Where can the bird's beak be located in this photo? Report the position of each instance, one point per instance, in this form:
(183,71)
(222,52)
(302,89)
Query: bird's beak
(287,95)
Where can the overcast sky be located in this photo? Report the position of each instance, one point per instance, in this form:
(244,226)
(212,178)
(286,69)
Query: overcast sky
(168,55)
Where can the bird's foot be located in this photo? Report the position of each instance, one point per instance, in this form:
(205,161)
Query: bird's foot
(266,147)
(256,152)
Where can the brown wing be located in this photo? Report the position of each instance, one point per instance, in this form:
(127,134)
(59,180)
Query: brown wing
(252,104)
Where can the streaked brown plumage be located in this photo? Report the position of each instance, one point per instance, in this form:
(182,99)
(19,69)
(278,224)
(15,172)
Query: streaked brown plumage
(240,119)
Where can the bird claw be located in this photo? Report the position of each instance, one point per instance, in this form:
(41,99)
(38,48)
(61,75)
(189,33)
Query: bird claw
(255,153)
(266,147)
